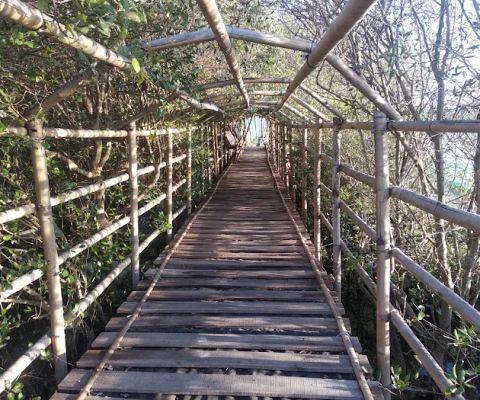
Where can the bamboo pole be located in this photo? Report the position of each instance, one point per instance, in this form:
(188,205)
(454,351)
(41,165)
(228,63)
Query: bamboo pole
(317,199)
(105,232)
(279,148)
(214,18)
(169,190)
(20,283)
(27,209)
(336,254)
(350,15)
(457,216)
(206,132)
(134,229)
(221,127)
(382,208)
(303,181)
(47,231)
(213,129)
(291,164)
(293,110)
(189,171)
(323,102)
(454,126)
(466,310)
(309,107)
(274,145)
(283,138)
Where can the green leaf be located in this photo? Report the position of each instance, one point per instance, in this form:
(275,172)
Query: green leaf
(133,16)
(43,4)
(136,65)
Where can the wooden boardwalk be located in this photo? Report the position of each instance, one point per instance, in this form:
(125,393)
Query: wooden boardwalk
(237,312)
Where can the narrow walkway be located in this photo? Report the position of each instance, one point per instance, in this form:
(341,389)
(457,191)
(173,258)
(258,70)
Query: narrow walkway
(238,311)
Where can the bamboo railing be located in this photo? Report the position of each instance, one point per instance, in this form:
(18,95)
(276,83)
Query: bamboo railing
(60,319)
(380,289)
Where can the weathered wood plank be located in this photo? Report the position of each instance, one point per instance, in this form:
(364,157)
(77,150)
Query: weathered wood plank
(239,255)
(323,326)
(226,341)
(212,384)
(189,358)
(230,307)
(236,264)
(289,284)
(231,247)
(229,294)
(203,273)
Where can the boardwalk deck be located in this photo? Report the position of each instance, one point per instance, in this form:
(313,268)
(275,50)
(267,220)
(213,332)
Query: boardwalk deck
(238,311)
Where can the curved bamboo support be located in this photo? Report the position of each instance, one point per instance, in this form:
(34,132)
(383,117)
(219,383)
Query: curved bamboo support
(215,20)
(350,15)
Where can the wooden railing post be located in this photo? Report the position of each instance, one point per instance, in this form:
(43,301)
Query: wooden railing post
(279,147)
(290,163)
(169,191)
(222,145)
(336,233)
(189,171)
(383,250)
(317,132)
(274,145)
(283,134)
(133,182)
(206,132)
(215,148)
(47,231)
(303,182)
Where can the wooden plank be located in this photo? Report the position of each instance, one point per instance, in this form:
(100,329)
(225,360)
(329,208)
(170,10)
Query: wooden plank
(202,273)
(230,307)
(212,384)
(69,396)
(226,341)
(322,326)
(190,358)
(243,241)
(289,284)
(239,255)
(231,247)
(229,294)
(236,264)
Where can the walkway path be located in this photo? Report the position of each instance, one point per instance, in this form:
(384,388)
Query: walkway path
(237,312)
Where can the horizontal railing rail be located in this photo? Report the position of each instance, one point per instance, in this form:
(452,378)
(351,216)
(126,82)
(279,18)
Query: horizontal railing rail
(461,126)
